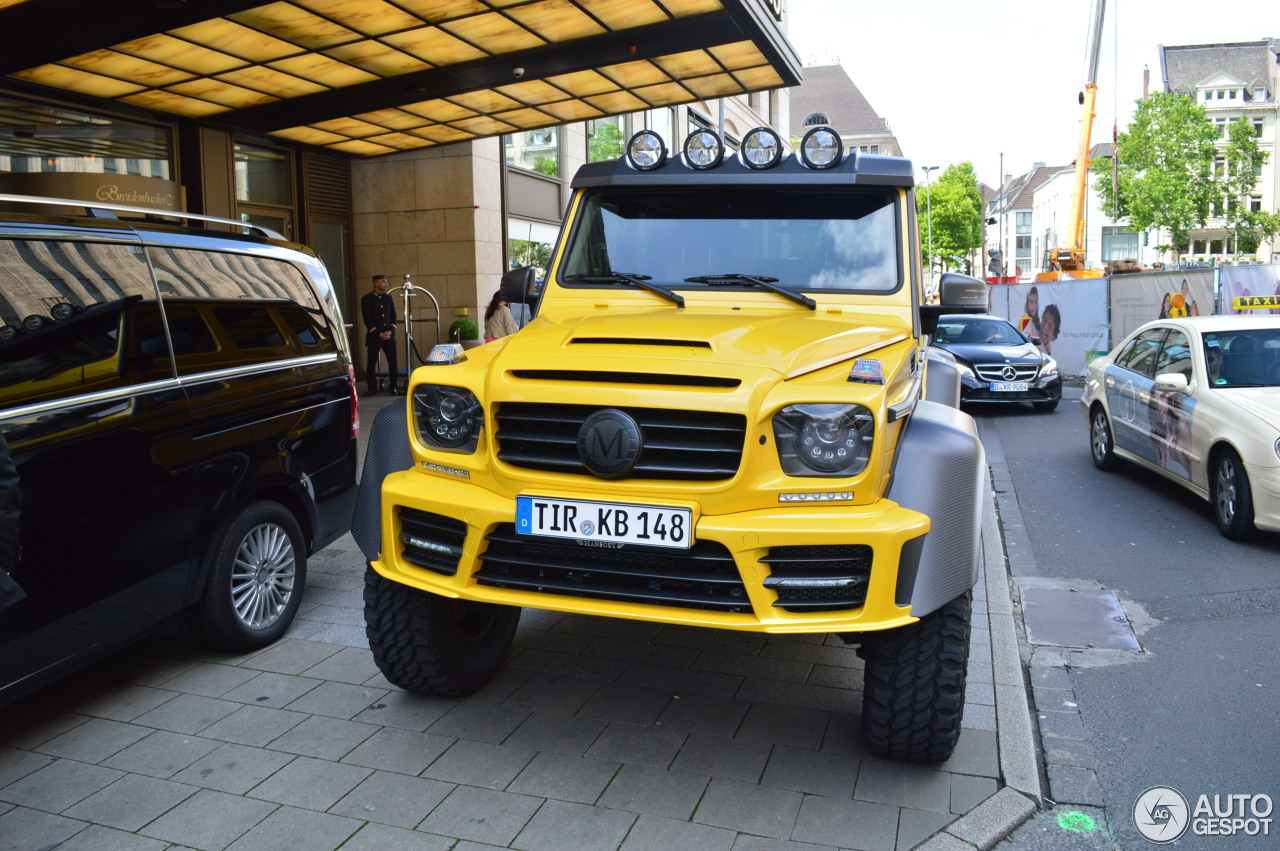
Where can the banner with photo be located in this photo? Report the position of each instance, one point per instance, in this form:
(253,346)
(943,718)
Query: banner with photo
(1140,297)
(1249,280)
(1069,317)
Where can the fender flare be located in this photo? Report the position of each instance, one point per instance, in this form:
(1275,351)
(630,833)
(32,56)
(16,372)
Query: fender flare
(388,452)
(940,469)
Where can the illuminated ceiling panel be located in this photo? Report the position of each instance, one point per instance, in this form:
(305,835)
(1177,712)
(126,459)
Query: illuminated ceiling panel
(372,77)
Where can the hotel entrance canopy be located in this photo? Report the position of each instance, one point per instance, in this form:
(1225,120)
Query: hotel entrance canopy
(372,77)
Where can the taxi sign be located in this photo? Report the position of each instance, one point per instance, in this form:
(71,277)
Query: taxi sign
(1254,302)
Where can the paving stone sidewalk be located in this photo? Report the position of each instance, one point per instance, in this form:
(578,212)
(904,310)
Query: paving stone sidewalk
(598,734)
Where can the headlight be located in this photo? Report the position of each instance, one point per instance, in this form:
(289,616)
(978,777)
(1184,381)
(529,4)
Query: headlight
(703,149)
(821,148)
(828,441)
(761,148)
(1048,368)
(645,151)
(1277,447)
(447,418)
(965,369)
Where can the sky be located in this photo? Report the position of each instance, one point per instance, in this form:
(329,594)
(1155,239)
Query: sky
(971,80)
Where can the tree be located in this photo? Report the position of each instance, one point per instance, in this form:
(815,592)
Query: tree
(1165,175)
(1243,163)
(546,165)
(954,214)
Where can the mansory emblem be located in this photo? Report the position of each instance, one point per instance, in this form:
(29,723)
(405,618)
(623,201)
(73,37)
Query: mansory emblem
(609,443)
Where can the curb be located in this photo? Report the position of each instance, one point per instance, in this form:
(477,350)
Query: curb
(1022,795)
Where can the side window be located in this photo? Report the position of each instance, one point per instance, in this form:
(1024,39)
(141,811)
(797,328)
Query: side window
(1175,355)
(1139,355)
(67,308)
(227,310)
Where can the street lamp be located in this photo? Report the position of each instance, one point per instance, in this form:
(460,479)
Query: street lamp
(928,219)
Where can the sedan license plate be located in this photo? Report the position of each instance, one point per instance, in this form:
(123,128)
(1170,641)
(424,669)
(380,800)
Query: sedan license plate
(605,522)
(1008,387)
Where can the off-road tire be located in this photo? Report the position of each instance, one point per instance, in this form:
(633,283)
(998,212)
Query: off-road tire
(434,645)
(1231,496)
(1102,446)
(256,572)
(913,685)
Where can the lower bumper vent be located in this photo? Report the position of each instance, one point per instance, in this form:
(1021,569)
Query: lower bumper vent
(819,578)
(702,577)
(432,541)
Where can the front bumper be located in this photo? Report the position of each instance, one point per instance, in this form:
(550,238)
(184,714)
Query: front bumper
(1266,496)
(456,539)
(1041,390)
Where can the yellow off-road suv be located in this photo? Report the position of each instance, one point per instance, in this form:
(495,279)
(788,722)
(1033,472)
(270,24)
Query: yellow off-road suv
(724,413)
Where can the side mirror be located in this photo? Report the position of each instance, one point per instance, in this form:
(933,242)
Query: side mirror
(1034,340)
(516,285)
(1171,382)
(956,294)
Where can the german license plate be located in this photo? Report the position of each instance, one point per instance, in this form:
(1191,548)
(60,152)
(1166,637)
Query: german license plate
(605,522)
(1008,387)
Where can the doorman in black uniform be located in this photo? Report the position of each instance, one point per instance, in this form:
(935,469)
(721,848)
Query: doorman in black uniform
(380,321)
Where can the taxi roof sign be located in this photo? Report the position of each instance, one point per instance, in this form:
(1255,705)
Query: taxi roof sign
(1254,302)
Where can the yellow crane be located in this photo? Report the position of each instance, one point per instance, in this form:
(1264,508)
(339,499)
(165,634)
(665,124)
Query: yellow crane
(1067,262)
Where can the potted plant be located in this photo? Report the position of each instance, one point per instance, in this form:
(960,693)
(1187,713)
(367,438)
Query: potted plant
(464,331)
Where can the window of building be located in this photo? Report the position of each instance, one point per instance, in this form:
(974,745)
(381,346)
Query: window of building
(1260,93)
(816,119)
(606,138)
(1022,223)
(1255,203)
(1257,127)
(263,174)
(1119,243)
(40,138)
(1219,166)
(1220,124)
(663,120)
(536,150)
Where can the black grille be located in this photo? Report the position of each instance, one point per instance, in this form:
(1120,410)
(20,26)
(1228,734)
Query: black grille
(431,540)
(702,577)
(686,445)
(819,578)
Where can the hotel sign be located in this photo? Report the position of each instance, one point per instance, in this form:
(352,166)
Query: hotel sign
(129,190)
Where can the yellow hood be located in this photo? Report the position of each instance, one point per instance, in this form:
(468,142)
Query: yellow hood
(791,342)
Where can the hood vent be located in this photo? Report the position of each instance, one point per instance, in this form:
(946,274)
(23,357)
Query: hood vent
(606,378)
(639,341)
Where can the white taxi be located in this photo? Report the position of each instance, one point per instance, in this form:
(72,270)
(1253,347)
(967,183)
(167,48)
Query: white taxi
(1197,400)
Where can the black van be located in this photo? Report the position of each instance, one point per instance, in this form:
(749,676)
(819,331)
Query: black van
(179,405)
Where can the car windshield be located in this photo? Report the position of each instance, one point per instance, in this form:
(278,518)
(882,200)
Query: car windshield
(986,332)
(800,238)
(1243,358)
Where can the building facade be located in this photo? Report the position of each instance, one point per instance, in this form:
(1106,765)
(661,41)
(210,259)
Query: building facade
(1231,81)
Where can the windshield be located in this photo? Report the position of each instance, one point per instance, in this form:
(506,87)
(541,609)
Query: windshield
(1246,358)
(804,238)
(987,332)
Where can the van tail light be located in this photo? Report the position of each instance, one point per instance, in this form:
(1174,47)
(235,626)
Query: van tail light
(355,402)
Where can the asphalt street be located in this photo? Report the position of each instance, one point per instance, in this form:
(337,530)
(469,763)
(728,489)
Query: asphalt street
(1195,709)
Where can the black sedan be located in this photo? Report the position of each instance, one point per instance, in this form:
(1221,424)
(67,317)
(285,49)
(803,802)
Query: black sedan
(997,363)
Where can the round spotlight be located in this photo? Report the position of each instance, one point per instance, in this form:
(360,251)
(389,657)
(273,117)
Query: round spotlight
(761,148)
(645,151)
(703,149)
(35,322)
(64,310)
(8,332)
(821,148)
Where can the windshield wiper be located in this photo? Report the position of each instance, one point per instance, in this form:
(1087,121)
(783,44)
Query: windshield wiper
(761,281)
(641,281)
